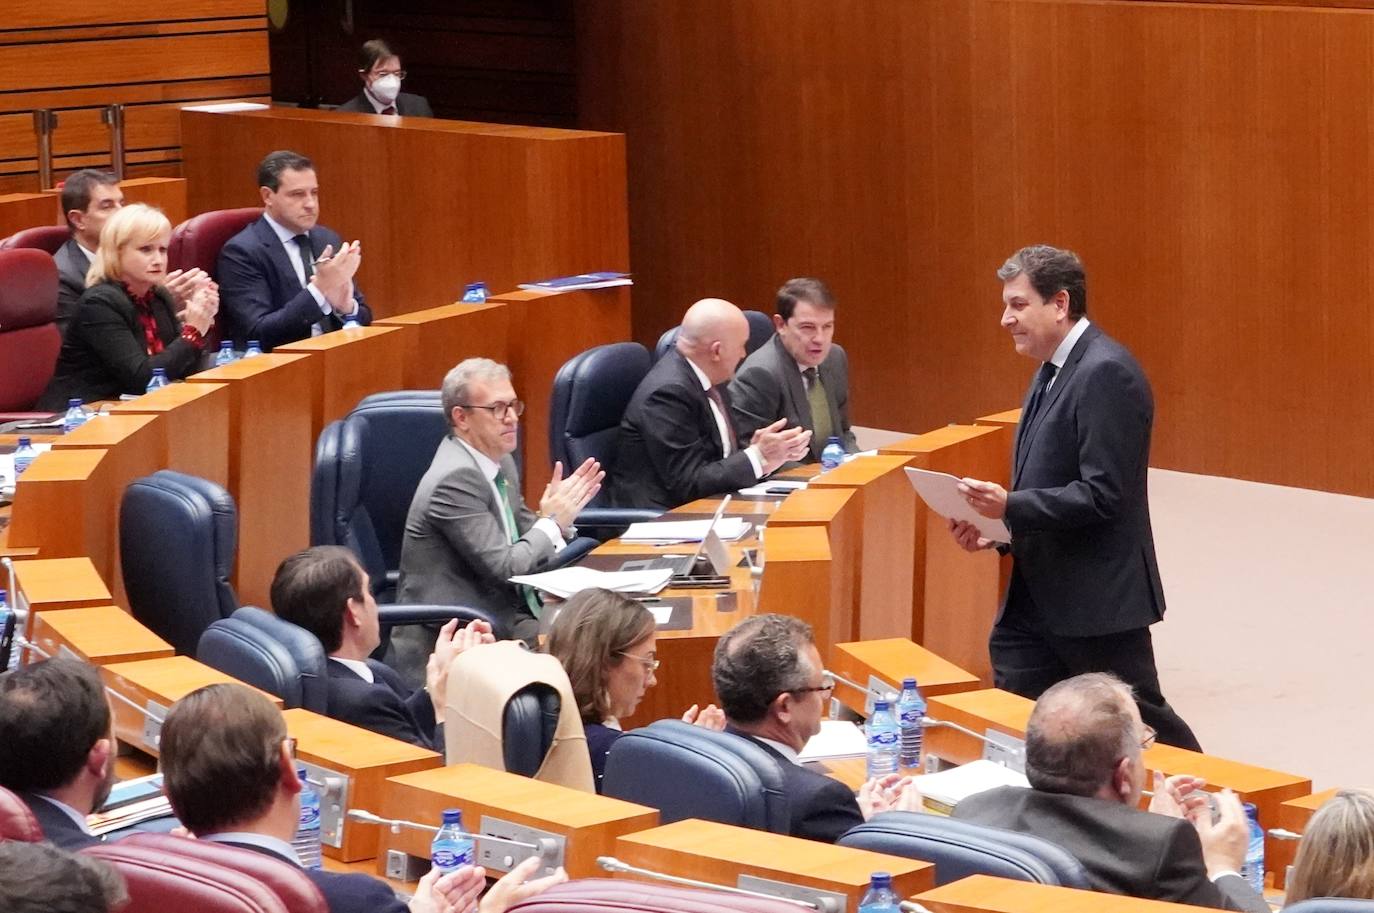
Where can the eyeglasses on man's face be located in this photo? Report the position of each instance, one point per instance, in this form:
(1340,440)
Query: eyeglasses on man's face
(827,684)
(498,409)
(1149,736)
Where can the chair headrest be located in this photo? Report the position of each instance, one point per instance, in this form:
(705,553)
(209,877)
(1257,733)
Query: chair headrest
(158,878)
(197,241)
(597,895)
(28,289)
(16,819)
(270,653)
(47,238)
(288,882)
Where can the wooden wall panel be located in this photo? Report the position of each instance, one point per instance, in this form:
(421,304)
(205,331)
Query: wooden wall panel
(77,57)
(1210,161)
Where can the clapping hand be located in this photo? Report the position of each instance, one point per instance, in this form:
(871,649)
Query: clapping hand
(564,498)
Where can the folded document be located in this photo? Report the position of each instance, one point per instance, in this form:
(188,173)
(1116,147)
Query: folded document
(727,528)
(566,581)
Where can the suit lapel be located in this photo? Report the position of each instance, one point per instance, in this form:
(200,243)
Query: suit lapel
(1025,437)
(286,274)
(706,419)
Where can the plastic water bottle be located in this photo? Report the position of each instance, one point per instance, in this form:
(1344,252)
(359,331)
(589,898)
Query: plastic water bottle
(351,322)
(1253,870)
(884,749)
(307,840)
(475,292)
(157,381)
(254,348)
(23,456)
(225,355)
(76,416)
(911,710)
(451,849)
(832,454)
(879,898)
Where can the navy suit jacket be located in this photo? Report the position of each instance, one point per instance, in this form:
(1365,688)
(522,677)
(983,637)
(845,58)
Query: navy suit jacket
(61,831)
(260,295)
(344,892)
(1079,510)
(600,739)
(821,808)
(385,705)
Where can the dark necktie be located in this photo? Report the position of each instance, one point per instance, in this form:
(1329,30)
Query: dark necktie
(307,256)
(816,397)
(389,109)
(1042,383)
(714,396)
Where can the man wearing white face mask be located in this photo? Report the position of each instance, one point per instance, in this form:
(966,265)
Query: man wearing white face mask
(381,73)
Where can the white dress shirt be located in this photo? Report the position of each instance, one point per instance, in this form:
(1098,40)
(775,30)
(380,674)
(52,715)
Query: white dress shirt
(1061,354)
(489,469)
(752,452)
(90,254)
(275,845)
(358,667)
(781,748)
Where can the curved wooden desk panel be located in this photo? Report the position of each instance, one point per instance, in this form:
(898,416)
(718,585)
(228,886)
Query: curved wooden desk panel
(837,511)
(195,427)
(985,894)
(59,508)
(892,659)
(19,211)
(436,339)
(348,366)
(100,635)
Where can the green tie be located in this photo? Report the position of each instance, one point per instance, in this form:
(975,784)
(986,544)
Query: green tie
(821,428)
(531,598)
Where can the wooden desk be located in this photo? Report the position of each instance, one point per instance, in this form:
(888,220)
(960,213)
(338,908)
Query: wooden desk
(271,454)
(955,594)
(42,516)
(436,339)
(985,894)
(54,584)
(195,427)
(591,823)
(167,194)
(720,853)
(100,635)
(891,660)
(19,211)
(837,511)
(887,508)
(347,366)
(1008,419)
(990,708)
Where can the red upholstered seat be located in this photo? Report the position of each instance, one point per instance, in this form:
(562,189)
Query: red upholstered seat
(607,895)
(196,243)
(161,881)
(29,338)
(16,821)
(291,884)
(46,238)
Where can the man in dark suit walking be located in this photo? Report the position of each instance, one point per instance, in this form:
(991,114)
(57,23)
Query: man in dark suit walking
(678,441)
(1084,761)
(800,374)
(285,277)
(381,72)
(773,690)
(1085,584)
(231,778)
(57,746)
(324,590)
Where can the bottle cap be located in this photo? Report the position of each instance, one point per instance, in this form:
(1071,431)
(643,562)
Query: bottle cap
(1251,811)
(254,344)
(833,439)
(23,441)
(74,401)
(881,880)
(880,704)
(908,683)
(300,772)
(226,344)
(453,816)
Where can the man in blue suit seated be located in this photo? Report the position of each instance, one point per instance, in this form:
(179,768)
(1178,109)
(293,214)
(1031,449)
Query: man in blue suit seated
(57,746)
(285,277)
(773,688)
(230,776)
(324,590)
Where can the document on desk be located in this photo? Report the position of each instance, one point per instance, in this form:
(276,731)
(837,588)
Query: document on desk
(566,581)
(946,789)
(837,739)
(940,491)
(675,531)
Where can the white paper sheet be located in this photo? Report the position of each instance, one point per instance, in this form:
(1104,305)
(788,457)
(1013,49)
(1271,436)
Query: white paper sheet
(941,493)
(837,739)
(950,787)
(728,528)
(566,581)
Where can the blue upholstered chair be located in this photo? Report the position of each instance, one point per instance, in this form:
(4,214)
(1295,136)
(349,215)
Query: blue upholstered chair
(270,653)
(760,331)
(528,726)
(732,780)
(960,848)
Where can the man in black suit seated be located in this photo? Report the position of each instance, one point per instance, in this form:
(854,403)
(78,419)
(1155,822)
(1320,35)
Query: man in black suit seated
(1083,758)
(381,72)
(285,277)
(231,778)
(324,590)
(677,440)
(773,689)
(800,374)
(57,745)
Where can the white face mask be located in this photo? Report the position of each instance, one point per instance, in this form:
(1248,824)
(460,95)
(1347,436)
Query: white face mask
(386,88)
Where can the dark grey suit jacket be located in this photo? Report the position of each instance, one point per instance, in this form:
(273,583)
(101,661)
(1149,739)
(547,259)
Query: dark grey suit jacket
(384,705)
(456,551)
(769,386)
(669,449)
(1079,510)
(59,830)
(407,105)
(1125,850)
(72,266)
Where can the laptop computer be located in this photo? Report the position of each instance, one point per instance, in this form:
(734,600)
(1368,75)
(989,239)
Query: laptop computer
(683,565)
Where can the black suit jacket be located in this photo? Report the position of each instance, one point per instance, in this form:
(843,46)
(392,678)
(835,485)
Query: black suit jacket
(821,808)
(71,282)
(769,386)
(384,705)
(260,295)
(105,354)
(344,892)
(61,831)
(1079,510)
(407,105)
(1125,850)
(670,449)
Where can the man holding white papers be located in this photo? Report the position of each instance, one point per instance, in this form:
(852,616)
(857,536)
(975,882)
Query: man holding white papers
(1085,584)
(677,440)
(469,531)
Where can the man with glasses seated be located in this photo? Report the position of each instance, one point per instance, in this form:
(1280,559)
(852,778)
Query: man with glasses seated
(1084,745)
(469,531)
(773,688)
(379,67)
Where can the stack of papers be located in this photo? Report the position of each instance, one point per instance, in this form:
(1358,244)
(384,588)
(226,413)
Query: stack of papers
(566,581)
(940,491)
(948,788)
(582,281)
(837,739)
(674,531)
